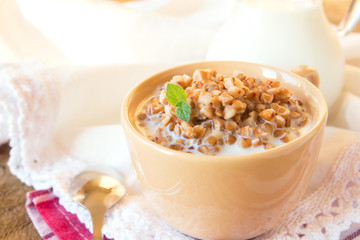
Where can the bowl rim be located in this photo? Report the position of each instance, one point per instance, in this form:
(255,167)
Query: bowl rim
(323,114)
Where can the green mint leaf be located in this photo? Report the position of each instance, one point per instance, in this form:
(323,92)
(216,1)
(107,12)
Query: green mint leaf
(183,111)
(175,94)
(180,104)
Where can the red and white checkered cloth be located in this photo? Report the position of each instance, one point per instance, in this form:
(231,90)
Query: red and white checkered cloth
(51,220)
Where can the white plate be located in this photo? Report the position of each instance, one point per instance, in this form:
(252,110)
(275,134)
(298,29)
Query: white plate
(88,124)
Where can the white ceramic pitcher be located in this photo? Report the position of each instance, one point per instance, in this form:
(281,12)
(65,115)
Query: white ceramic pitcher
(286,33)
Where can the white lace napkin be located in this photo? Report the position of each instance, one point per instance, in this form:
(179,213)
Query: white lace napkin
(63,119)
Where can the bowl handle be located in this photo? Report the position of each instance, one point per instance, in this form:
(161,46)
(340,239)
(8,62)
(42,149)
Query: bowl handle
(308,73)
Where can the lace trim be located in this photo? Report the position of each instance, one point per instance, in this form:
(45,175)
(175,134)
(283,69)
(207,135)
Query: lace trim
(28,96)
(332,208)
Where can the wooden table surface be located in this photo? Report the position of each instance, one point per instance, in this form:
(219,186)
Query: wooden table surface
(14,221)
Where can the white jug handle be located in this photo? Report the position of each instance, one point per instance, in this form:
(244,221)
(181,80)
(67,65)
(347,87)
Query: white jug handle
(309,73)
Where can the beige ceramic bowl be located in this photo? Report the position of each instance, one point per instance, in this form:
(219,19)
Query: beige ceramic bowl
(225,197)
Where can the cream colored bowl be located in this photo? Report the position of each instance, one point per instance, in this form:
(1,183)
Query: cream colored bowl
(225,197)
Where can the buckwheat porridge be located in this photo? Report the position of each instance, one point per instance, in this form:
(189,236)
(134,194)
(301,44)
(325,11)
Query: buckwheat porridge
(215,114)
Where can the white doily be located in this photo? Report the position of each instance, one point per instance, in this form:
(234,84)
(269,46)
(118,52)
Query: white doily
(29,105)
(332,208)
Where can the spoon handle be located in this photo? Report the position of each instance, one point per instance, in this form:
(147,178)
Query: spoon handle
(350,19)
(97,216)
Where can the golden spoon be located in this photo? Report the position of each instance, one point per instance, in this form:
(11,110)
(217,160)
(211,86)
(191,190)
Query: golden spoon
(97,190)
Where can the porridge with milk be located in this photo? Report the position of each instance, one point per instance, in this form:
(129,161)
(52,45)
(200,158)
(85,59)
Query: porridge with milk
(215,114)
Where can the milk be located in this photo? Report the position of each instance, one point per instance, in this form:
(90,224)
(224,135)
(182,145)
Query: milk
(149,127)
(151,124)
(283,33)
